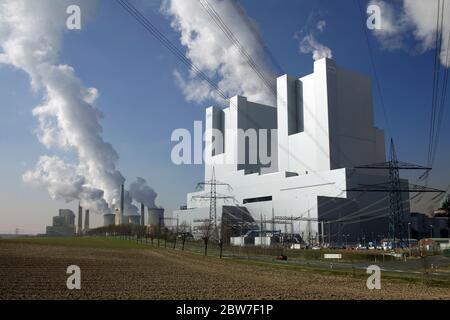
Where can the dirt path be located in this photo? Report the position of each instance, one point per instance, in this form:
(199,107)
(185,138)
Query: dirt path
(38,272)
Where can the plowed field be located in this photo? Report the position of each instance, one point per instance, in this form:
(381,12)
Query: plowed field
(38,271)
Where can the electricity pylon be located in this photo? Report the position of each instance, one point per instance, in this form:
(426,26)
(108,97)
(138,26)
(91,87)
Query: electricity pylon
(212,197)
(397,223)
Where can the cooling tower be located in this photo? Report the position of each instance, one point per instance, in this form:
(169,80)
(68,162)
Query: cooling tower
(134,220)
(155,216)
(108,219)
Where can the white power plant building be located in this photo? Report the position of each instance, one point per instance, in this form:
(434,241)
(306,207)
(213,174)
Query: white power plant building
(321,128)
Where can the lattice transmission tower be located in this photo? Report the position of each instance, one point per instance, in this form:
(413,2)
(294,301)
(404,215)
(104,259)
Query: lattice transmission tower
(212,196)
(395,188)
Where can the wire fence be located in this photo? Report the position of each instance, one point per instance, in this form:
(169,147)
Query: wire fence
(277,252)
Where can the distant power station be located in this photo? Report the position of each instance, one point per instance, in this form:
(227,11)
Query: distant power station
(69,224)
(155,215)
(63,224)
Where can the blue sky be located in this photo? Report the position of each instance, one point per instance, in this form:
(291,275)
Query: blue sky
(142,104)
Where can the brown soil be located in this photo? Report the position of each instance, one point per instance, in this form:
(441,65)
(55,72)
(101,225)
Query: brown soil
(29,271)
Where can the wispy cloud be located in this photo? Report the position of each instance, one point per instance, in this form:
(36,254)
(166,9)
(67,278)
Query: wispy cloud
(321,25)
(308,42)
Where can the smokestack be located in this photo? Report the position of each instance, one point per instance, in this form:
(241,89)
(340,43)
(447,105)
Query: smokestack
(86,221)
(142,214)
(80,219)
(122,205)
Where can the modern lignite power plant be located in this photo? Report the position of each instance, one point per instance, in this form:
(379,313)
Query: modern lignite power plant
(321,128)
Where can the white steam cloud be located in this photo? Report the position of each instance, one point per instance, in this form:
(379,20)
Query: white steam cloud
(309,44)
(141,192)
(30,38)
(215,55)
(65,182)
(412,19)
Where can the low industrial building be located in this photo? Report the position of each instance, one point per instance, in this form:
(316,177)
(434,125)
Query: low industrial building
(424,226)
(434,244)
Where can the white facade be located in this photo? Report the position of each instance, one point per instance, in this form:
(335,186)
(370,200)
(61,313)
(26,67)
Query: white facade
(322,127)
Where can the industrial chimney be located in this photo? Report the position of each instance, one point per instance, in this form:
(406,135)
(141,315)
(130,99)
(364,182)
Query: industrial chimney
(80,219)
(122,205)
(86,221)
(142,214)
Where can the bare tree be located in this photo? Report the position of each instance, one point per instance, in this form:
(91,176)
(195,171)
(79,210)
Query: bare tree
(152,232)
(205,231)
(183,230)
(220,231)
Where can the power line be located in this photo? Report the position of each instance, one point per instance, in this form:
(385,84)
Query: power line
(131,9)
(222,25)
(436,80)
(375,73)
(441,106)
(256,68)
(257,36)
(439,93)
(235,41)
(169,45)
(173,49)
(395,189)
(213,196)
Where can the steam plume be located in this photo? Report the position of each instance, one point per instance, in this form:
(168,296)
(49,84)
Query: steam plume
(30,39)
(213,53)
(309,43)
(143,193)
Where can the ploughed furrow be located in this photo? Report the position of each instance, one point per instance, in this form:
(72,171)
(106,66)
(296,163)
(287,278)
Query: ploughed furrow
(33,271)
